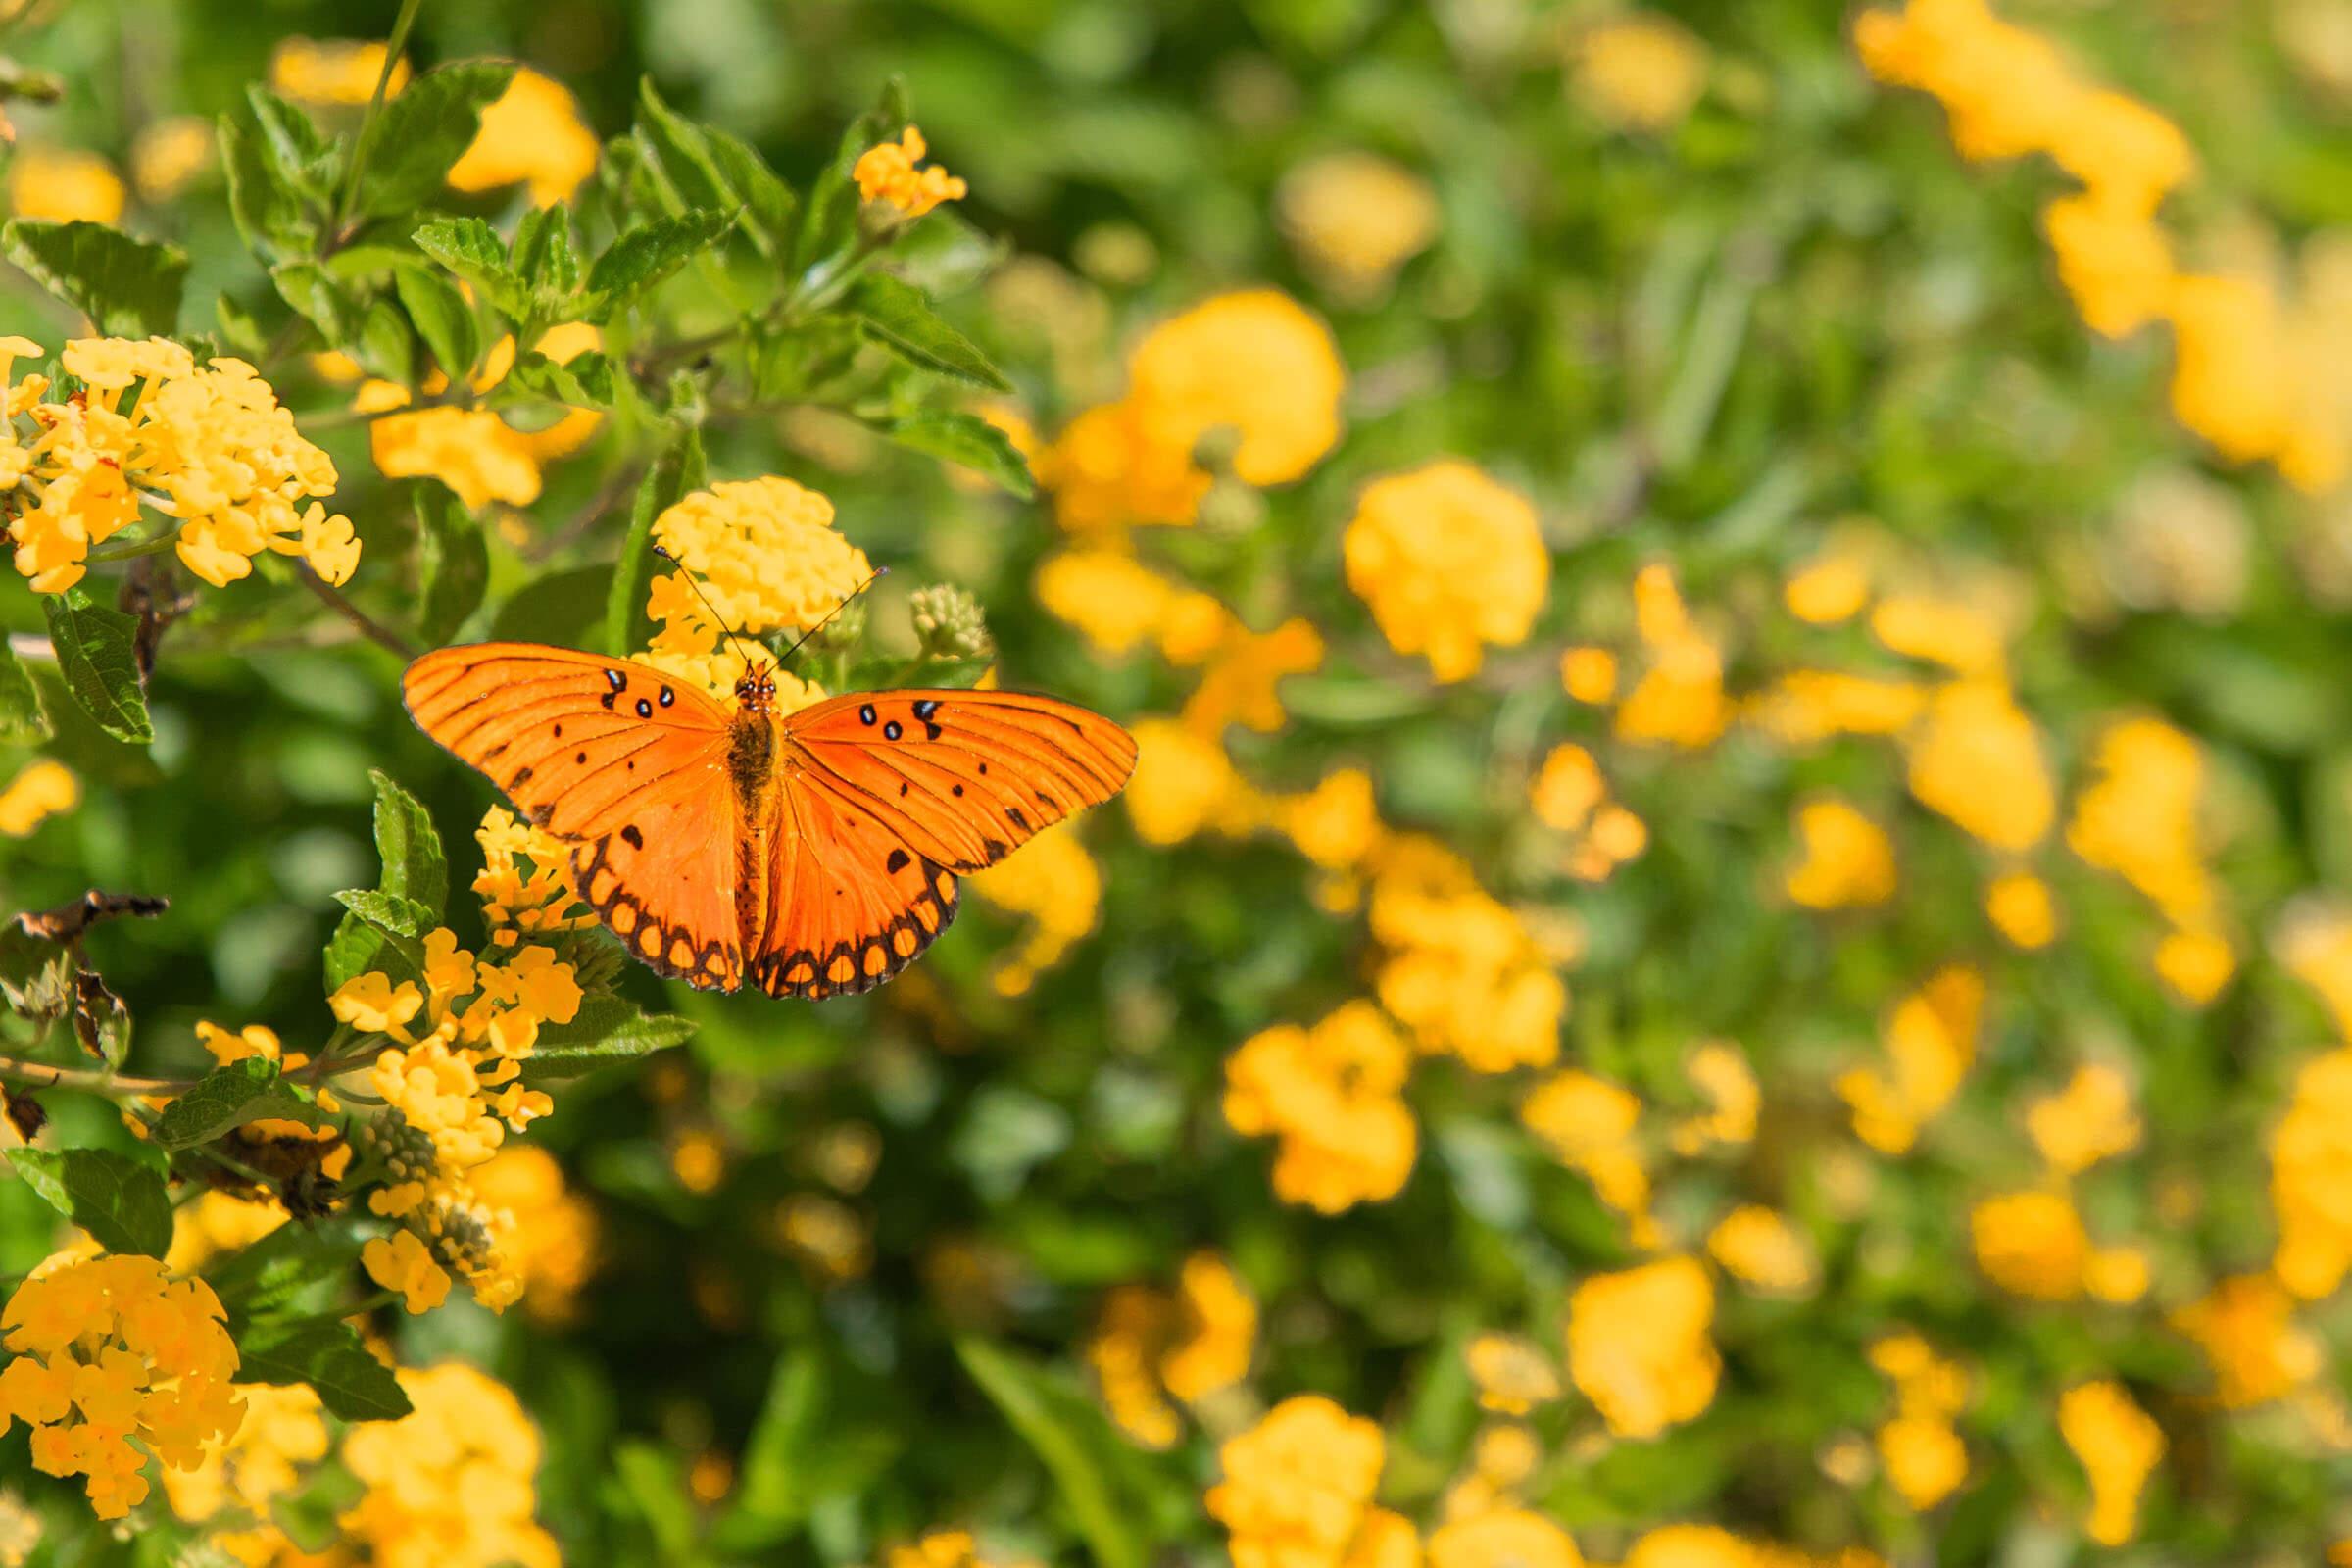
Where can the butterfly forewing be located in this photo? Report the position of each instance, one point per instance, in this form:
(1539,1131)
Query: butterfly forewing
(625,765)
(963,777)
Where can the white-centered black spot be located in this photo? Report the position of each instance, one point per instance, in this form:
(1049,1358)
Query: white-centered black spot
(865,713)
(644,709)
(889,731)
(620,682)
(668,697)
(926,708)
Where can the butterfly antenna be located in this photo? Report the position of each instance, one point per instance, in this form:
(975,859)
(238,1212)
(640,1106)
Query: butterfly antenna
(691,582)
(847,600)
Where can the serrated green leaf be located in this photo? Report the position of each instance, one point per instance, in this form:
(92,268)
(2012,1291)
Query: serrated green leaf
(545,257)
(767,202)
(119,1200)
(966,439)
(443,319)
(23,722)
(330,1357)
(269,212)
(294,1269)
(678,154)
(305,158)
(586,381)
(453,563)
(357,947)
(320,299)
(402,917)
(425,130)
(130,287)
(95,655)
(894,314)
(472,249)
(644,257)
(607,1030)
(414,868)
(229,1096)
(676,473)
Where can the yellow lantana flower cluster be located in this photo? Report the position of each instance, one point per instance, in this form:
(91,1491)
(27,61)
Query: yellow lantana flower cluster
(1059,888)
(2032,1243)
(41,790)
(1925,1459)
(108,1350)
(454,1484)
(1354,218)
(886,173)
(1151,1346)
(532,133)
(1638,71)
(333,70)
(207,446)
(1297,1491)
(1253,364)
(2118,1446)
(1931,1042)
(1330,1094)
(1451,563)
(1848,860)
(284,1428)
(553,1242)
(1639,1344)
(1590,1125)
(1570,796)
(2244,377)
(2139,819)
(1459,968)
(768,559)
(474,452)
(63,184)
(2247,1327)
(1758,1246)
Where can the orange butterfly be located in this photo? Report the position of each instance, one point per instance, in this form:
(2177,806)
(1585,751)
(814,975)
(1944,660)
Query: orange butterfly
(816,852)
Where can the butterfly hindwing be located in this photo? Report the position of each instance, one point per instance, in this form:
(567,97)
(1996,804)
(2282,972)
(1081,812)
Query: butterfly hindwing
(849,904)
(963,777)
(621,761)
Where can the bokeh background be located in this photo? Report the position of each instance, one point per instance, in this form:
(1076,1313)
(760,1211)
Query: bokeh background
(1732,935)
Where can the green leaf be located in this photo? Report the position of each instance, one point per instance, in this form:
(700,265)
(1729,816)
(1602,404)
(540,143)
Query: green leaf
(561,607)
(414,867)
(389,912)
(295,1268)
(130,287)
(967,439)
(654,1481)
(241,331)
(607,1030)
(676,473)
(94,652)
(306,160)
(328,1356)
(269,212)
(768,202)
(645,256)
(453,563)
(387,344)
(470,248)
(356,948)
(830,219)
(36,974)
(322,299)
(894,314)
(421,133)
(21,719)
(586,381)
(443,319)
(544,254)
(228,1097)
(678,153)
(1067,1435)
(116,1198)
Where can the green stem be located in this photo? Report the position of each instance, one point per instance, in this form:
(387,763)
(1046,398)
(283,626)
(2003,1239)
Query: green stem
(89,1080)
(393,47)
(145,547)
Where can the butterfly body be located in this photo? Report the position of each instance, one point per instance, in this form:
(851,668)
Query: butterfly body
(813,853)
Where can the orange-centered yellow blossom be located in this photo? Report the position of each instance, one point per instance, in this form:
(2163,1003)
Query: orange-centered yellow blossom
(1639,1345)
(108,1350)
(886,173)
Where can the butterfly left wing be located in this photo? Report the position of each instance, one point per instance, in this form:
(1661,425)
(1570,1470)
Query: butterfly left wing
(848,905)
(961,777)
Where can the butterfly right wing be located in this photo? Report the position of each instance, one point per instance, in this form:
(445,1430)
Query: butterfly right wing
(624,764)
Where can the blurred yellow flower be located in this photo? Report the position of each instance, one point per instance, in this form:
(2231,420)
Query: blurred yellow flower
(2137,817)
(1589,1127)
(1639,1345)
(1718,1069)
(1150,1346)
(2118,1446)
(401,1263)
(332,70)
(217,1222)
(63,185)
(1507,1538)
(1297,1486)
(1330,1094)
(1459,968)
(1979,760)
(283,1427)
(1337,823)
(1828,590)
(2020,907)
(1254,363)
(1806,707)
(1354,218)
(1942,631)
(453,1482)
(1848,860)
(1513,1375)
(552,1242)
(1760,1247)
(1638,71)
(1589,674)
(1679,699)
(2246,1326)
(41,790)
(886,173)
(1924,1457)
(2089,1120)
(1058,887)
(532,133)
(1183,784)
(1931,1039)
(2031,1244)
(169,153)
